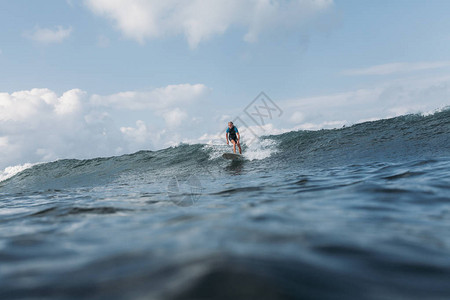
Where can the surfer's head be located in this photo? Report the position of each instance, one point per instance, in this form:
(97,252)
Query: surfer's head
(230,124)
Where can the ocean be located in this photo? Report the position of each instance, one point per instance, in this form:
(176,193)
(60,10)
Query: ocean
(360,212)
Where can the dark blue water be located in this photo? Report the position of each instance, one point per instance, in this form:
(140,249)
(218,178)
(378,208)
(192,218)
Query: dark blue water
(356,213)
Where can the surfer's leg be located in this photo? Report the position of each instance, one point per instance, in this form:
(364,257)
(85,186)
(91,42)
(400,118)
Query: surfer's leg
(239,145)
(234,146)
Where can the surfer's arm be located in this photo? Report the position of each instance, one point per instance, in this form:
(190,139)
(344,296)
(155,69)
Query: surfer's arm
(226,136)
(238,136)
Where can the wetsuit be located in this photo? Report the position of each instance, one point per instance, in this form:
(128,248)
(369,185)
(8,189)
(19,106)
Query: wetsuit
(232,133)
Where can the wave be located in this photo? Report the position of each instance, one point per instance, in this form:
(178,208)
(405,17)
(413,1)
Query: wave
(12,171)
(396,139)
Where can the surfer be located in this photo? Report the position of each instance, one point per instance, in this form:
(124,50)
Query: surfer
(233,136)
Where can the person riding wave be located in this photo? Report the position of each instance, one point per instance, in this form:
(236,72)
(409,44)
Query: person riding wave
(233,136)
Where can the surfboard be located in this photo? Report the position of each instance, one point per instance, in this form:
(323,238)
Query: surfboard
(231,156)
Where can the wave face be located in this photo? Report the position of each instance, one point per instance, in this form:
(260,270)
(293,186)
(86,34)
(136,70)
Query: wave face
(356,212)
(397,139)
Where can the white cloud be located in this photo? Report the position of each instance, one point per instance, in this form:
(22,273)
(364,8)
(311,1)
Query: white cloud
(158,99)
(48,36)
(199,20)
(40,125)
(69,103)
(140,134)
(175,117)
(399,67)
(29,105)
(169,103)
(38,119)
(391,99)
(296,117)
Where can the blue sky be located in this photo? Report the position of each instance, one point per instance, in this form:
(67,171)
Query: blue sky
(122,76)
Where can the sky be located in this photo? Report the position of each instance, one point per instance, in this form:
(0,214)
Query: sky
(90,78)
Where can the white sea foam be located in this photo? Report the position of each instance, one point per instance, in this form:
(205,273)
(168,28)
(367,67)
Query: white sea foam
(11,171)
(435,111)
(254,149)
(260,149)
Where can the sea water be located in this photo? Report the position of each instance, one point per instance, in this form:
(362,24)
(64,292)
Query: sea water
(361,212)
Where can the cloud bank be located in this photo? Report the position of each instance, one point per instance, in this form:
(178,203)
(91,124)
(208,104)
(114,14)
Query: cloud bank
(391,99)
(40,125)
(200,20)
